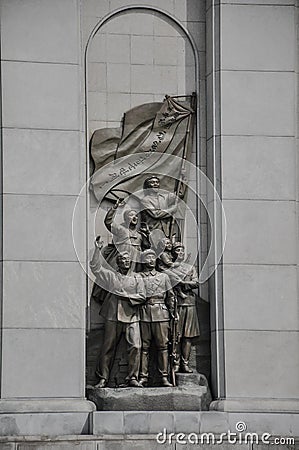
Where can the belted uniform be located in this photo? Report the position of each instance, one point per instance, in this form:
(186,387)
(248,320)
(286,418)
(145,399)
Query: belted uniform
(121,313)
(154,320)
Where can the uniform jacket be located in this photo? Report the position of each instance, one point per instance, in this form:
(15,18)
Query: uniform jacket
(157,286)
(128,292)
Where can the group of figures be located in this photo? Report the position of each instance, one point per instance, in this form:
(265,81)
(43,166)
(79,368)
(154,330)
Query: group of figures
(146,291)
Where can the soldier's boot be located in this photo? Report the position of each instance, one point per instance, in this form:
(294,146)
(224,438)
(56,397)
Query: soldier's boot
(143,380)
(185,355)
(162,358)
(102,383)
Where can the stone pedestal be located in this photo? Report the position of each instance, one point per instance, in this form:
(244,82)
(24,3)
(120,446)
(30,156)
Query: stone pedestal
(191,394)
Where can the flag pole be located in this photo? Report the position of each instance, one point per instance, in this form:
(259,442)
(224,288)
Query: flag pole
(179,182)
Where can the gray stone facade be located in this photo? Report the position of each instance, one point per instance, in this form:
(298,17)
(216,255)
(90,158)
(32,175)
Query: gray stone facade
(248,141)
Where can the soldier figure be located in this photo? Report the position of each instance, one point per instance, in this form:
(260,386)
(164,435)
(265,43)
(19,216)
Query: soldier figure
(184,278)
(121,313)
(157,207)
(154,318)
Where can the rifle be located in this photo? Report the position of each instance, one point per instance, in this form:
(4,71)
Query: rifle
(174,341)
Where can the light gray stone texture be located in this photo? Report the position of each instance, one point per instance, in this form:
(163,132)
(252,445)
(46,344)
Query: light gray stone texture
(165,53)
(133,444)
(115,82)
(223,446)
(97,106)
(97,77)
(94,8)
(194,396)
(58,445)
(159,418)
(136,422)
(257,2)
(46,232)
(249,103)
(260,232)
(118,48)
(257,38)
(117,104)
(41,161)
(108,422)
(40,31)
(258,167)
(42,424)
(43,363)
(260,297)
(187,422)
(142,49)
(275,424)
(257,361)
(37,95)
(42,294)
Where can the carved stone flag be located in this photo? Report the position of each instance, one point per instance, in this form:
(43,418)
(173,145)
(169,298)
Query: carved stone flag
(159,128)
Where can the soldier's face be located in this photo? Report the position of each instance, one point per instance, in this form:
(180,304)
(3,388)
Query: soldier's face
(180,253)
(124,261)
(150,261)
(168,244)
(132,218)
(153,184)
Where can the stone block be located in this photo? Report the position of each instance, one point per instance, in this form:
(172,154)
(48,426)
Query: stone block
(283,424)
(97,106)
(132,443)
(186,422)
(270,3)
(258,167)
(139,99)
(97,50)
(41,294)
(163,28)
(97,77)
(257,38)
(117,104)
(198,32)
(45,363)
(44,424)
(115,82)
(118,48)
(165,51)
(142,79)
(165,80)
(141,23)
(43,31)
(94,8)
(260,232)
(189,395)
(250,100)
(260,297)
(108,422)
(28,87)
(195,10)
(142,49)
(256,363)
(42,162)
(159,419)
(46,232)
(213,422)
(136,422)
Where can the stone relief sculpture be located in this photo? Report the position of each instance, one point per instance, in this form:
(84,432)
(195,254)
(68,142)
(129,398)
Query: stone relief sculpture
(121,313)
(146,287)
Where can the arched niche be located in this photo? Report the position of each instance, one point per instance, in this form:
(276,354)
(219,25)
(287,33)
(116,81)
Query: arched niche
(136,55)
